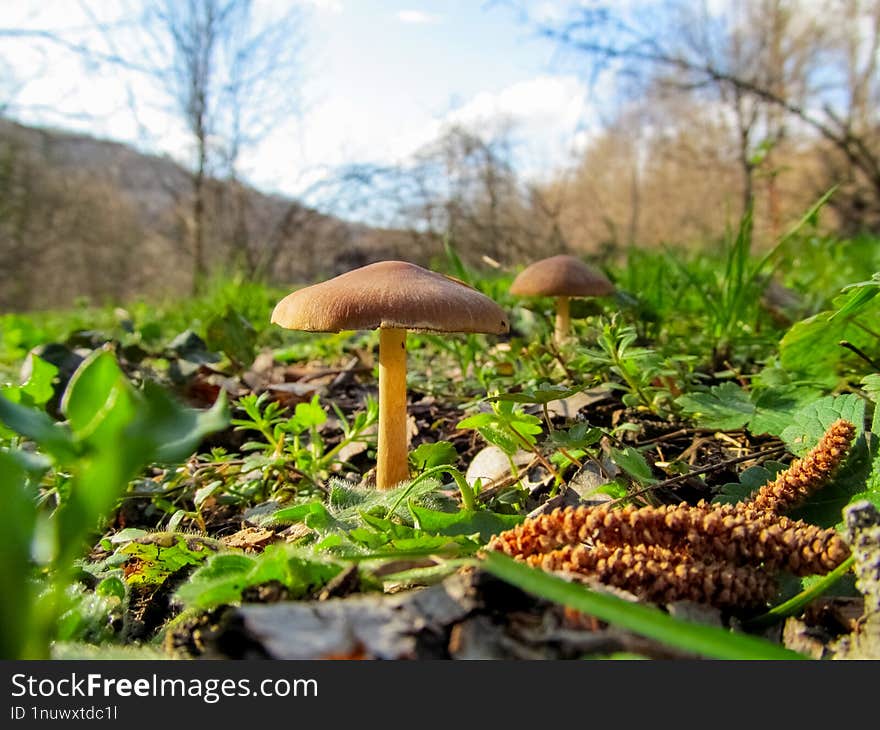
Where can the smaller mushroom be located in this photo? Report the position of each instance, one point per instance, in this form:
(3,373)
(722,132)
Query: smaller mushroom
(561,277)
(393,297)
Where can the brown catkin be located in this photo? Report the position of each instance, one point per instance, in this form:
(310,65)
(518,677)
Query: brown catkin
(720,532)
(724,555)
(805,476)
(662,575)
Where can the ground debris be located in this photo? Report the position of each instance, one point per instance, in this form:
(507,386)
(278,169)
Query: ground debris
(470,615)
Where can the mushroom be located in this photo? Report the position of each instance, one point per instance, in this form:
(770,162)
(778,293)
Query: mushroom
(393,297)
(562,277)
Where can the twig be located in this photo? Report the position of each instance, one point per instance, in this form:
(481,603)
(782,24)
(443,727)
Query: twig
(705,470)
(852,348)
(673,435)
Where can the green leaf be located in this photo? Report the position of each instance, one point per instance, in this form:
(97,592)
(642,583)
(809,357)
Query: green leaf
(707,641)
(633,463)
(750,480)
(221,580)
(811,422)
(774,408)
(233,335)
(429,455)
(579,436)
(97,391)
(862,293)
(17,523)
(725,407)
(506,427)
(172,430)
(160,554)
(314,514)
(852,479)
(307,415)
(811,348)
(483,523)
(37,425)
(111,587)
(795,605)
(871,386)
(476,421)
(728,406)
(38,388)
(224,577)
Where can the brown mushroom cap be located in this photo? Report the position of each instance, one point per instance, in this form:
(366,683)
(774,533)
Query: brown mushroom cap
(390,294)
(561,276)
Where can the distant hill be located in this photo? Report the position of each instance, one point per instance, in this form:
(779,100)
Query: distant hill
(81,216)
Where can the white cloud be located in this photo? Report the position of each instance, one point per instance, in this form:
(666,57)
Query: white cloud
(333,7)
(417,17)
(551,120)
(550,116)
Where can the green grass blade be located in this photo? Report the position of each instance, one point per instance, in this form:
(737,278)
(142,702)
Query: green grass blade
(807,218)
(794,604)
(707,641)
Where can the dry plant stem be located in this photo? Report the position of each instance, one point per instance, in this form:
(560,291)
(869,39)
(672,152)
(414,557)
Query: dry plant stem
(557,355)
(538,455)
(563,320)
(392,465)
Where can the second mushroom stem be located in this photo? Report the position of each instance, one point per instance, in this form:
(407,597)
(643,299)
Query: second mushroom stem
(392,459)
(563,319)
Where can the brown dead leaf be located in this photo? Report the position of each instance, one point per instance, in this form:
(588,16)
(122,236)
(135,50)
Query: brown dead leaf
(250,539)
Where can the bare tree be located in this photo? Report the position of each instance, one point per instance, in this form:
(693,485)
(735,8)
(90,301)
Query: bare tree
(776,63)
(231,75)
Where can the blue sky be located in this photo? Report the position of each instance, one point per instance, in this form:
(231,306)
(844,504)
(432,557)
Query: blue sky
(381,78)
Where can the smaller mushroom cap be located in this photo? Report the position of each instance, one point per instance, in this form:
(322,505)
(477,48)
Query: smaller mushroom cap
(390,294)
(561,276)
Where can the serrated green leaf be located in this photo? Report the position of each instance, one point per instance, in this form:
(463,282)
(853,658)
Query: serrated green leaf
(633,463)
(725,407)
(811,422)
(308,415)
(775,408)
(477,420)
(750,480)
(871,386)
(160,555)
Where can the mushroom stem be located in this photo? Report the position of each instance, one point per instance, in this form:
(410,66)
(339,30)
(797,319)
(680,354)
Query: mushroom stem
(563,319)
(392,462)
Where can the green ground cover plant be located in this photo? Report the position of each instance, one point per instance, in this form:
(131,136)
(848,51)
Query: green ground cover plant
(166,465)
